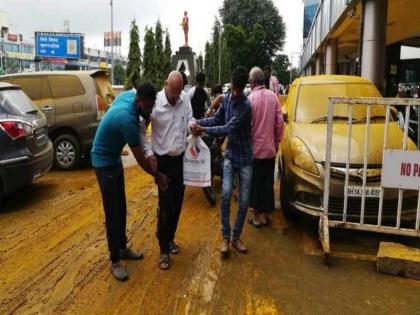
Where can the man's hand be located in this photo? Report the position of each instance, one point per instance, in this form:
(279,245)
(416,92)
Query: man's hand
(153,163)
(162,181)
(197,130)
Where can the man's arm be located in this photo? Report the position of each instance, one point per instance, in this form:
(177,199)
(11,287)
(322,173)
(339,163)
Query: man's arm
(208,102)
(141,159)
(131,131)
(218,118)
(148,166)
(232,125)
(143,140)
(190,118)
(279,127)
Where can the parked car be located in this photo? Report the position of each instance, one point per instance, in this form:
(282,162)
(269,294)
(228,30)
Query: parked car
(26,152)
(73,102)
(303,150)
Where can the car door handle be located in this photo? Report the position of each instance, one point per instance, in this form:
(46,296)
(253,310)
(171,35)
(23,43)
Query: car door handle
(47,108)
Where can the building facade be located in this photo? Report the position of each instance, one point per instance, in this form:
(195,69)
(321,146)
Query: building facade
(366,38)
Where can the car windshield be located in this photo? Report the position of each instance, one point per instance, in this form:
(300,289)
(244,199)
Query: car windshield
(15,102)
(312,102)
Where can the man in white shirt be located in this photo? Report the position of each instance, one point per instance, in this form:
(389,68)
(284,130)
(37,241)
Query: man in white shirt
(170,120)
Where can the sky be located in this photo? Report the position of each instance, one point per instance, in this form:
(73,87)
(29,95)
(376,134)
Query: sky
(93,18)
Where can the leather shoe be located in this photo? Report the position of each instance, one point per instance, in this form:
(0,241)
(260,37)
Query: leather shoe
(119,272)
(129,254)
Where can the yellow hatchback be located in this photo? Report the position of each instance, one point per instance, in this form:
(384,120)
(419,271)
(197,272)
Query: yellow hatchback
(303,150)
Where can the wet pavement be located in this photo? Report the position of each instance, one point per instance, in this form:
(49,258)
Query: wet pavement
(53,259)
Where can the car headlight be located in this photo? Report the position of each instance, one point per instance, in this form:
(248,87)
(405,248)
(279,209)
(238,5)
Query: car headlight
(301,156)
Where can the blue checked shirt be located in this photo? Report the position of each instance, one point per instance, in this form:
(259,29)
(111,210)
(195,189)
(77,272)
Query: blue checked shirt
(233,119)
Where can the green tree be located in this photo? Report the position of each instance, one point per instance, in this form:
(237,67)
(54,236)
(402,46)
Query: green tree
(159,55)
(167,56)
(214,59)
(119,74)
(133,72)
(149,57)
(207,62)
(226,61)
(281,66)
(262,25)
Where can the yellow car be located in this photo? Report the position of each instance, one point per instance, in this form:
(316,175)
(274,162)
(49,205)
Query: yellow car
(303,150)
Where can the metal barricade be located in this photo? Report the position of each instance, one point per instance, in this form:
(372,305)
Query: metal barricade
(326,219)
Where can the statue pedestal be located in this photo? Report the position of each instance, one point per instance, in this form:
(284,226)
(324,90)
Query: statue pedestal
(185,56)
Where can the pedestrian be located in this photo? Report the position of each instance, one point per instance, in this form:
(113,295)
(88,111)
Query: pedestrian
(170,120)
(271,81)
(200,99)
(217,98)
(233,119)
(267,131)
(121,126)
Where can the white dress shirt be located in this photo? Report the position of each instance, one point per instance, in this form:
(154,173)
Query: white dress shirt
(170,125)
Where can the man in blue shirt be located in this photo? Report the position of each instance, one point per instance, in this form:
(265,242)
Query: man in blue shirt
(233,119)
(124,123)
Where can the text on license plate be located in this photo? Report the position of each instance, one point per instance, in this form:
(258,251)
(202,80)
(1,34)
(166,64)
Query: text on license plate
(357,191)
(40,134)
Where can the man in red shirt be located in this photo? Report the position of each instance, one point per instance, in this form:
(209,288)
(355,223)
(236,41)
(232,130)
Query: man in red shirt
(267,131)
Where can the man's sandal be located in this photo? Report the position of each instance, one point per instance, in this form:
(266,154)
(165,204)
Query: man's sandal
(174,248)
(164,262)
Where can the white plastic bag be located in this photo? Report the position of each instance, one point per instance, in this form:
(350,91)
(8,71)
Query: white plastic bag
(197,161)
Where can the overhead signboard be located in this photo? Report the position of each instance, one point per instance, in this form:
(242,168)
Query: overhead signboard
(112,39)
(12,37)
(58,45)
(401,169)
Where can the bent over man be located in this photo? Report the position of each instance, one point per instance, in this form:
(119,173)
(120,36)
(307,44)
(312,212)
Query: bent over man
(121,126)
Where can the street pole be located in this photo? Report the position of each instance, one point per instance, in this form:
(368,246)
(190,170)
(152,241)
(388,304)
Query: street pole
(1,55)
(220,53)
(112,44)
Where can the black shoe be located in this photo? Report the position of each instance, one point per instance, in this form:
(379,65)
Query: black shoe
(129,254)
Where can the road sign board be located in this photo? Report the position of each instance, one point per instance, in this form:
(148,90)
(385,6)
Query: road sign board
(56,45)
(401,169)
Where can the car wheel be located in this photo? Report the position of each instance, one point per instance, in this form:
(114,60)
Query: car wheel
(66,152)
(286,208)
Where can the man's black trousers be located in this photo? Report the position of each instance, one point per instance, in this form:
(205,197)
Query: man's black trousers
(111,183)
(170,201)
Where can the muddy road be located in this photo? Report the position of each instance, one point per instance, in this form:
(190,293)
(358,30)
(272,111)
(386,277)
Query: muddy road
(53,260)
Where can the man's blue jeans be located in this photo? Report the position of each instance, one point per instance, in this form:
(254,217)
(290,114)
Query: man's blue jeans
(244,174)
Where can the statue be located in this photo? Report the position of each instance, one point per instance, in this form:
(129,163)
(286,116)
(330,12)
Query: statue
(185,28)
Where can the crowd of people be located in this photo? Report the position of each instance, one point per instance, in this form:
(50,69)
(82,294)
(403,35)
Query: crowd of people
(252,126)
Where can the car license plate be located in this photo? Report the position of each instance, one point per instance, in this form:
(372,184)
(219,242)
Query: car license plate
(40,134)
(357,191)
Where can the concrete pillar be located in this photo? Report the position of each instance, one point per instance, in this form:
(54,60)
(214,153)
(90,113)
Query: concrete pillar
(318,64)
(331,57)
(374,41)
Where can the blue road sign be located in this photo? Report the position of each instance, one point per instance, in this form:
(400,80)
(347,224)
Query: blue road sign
(58,46)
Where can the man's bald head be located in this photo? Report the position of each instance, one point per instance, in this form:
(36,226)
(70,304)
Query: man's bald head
(173,86)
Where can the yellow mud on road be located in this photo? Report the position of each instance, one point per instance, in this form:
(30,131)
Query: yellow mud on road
(54,260)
